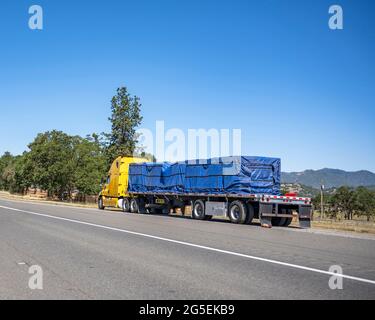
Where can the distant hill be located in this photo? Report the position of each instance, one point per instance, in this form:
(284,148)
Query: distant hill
(301,190)
(331,178)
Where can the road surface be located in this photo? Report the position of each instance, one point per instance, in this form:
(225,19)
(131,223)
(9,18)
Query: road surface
(92,254)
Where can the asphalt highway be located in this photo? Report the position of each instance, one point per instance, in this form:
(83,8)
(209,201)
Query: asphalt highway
(93,254)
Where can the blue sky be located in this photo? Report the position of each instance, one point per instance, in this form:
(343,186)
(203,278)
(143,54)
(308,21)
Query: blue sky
(274,69)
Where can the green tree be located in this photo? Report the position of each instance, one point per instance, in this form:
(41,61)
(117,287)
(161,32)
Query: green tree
(51,162)
(90,165)
(6,165)
(125,118)
(13,175)
(57,163)
(365,202)
(61,164)
(22,174)
(344,201)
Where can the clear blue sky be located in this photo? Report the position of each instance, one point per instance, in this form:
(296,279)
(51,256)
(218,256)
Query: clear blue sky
(297,89)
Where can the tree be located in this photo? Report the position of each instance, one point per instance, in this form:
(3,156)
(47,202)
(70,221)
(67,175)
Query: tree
(90,165)
(344,201)
(125,118)
(22,175)
(13,174)
(61,164)
(6,164)
(51,162)
(365,202)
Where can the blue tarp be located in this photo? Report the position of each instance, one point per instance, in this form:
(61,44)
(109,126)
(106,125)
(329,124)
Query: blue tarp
(235,175)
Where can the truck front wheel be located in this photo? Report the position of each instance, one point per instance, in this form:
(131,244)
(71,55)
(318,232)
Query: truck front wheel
(237,212)
(101,204)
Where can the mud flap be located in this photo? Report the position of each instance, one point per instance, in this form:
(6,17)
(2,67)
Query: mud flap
(142,206)
(266,214)
(304,216)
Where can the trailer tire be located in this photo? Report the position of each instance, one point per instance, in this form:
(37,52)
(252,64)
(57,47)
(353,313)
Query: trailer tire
(237,212)
(278,221)
(133,205)
(101,203)
(141,204)
(199,210)
(126,205)
(250,214)
(288,222)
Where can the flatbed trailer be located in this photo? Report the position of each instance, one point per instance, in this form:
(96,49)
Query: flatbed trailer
(271,210)
(239,208)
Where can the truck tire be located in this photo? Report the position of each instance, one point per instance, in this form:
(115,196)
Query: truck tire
(199,210)
(141,203)
(278,222)
(250,214)
(288,222)
(133,206)
(126,205)
(101,203)
(237,212)
(283,222)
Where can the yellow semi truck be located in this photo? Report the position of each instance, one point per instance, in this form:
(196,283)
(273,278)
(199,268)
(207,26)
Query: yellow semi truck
(114,192)
(153,196)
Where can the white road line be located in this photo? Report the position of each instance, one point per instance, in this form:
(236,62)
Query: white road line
(324,232)
(195,246)
(55,205)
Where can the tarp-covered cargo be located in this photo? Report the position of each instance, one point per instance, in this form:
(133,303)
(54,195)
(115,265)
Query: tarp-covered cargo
(234,175)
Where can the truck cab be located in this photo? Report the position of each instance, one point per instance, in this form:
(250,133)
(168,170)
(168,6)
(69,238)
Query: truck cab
(115,186)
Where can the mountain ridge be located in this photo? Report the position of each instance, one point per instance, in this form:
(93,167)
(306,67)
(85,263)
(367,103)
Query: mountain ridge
(330,178)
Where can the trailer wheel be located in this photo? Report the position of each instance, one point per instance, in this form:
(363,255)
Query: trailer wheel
(237,212)
(141,204)
(133,206)
(288,222)
(101,204)
(199,210)
(278,222)
(126,205)
(250,214)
